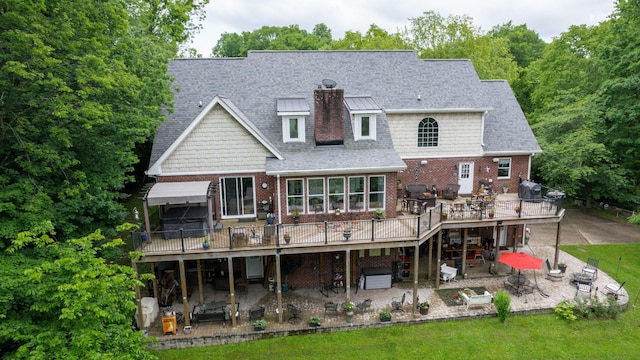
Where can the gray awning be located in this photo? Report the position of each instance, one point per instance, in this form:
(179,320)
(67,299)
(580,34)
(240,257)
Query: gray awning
(167,193)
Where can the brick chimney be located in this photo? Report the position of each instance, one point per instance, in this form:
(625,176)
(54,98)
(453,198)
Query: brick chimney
(329,116)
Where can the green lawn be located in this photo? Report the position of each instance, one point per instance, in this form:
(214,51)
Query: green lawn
(521,337)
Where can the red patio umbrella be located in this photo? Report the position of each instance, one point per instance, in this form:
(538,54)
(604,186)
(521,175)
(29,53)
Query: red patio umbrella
(520,261)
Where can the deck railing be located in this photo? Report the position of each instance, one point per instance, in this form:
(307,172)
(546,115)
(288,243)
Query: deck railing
(333,232)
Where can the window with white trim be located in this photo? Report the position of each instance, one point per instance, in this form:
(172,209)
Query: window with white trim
(504,168)
(293,129)
(365,127)
(376,192)
(428,133)
(295,196)
(316,195)
(356,193)
(336,193)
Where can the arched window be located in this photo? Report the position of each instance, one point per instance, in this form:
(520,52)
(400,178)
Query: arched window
(428,133)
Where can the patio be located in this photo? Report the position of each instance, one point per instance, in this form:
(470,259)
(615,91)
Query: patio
(543,299)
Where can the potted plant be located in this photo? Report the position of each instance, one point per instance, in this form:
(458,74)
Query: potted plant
(385,315)
(505,187)
(492,213)
(271,217)
(468,201)
(259,325)
(205,243)
(314,321)
(286,237)
(379,214)
(562,267)
(423,307)
(337,212)
(445,215)
(296,216)
(348,310)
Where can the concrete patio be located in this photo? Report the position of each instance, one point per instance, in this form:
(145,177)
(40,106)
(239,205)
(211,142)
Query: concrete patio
(545,296)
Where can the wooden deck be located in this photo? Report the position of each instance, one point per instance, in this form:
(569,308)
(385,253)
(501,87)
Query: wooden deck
(404,230)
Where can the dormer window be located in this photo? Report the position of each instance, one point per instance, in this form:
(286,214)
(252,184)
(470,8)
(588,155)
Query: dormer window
(363,110)
(293,128)
(364,127)
(293,112)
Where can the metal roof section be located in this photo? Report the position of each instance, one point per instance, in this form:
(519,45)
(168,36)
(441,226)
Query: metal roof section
(169,193)
(293,106)
(362,105)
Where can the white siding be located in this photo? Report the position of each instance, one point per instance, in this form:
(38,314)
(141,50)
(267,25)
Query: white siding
(218,144)
(460,134)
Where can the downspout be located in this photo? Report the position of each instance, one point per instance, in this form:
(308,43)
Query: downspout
(278,198)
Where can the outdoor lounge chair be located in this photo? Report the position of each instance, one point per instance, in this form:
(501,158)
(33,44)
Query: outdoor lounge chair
(591,269)
(553,274)
(613,289)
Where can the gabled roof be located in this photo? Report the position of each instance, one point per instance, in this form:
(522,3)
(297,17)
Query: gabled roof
(155,168)
(506,130)
(395,81)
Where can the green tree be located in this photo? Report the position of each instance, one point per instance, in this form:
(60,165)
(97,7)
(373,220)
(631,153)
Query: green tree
(620,56)
(455,37)
(568,122)
(374,39)
(81,84)
(524,44)
(272,38)
(63,301)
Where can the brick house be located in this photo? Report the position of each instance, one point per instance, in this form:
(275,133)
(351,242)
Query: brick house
(330,136)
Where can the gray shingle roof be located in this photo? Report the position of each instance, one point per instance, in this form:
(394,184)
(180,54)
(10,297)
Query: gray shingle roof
(393,79)
(506,129)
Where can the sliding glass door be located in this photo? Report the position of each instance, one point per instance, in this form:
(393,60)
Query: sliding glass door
(238,198)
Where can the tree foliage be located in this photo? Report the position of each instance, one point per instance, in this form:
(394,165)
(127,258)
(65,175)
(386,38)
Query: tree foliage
(620,56)
(273,38)
(63,301)
(455,37)
(374,39)
(524,44)
(81,84)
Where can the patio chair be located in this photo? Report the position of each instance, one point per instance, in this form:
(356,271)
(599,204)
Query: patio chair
(448,273)
(451,191)
(591,269)
(256,314)
(364,305)
(583,288)
(295,314)
(613,289)
(553,274)
(397,305)
(331,307)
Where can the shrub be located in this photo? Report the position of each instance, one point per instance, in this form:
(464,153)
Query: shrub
(565,310)
(502,302)
(596,309)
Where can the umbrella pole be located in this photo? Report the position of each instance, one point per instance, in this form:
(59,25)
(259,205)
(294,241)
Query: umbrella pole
(535,278)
